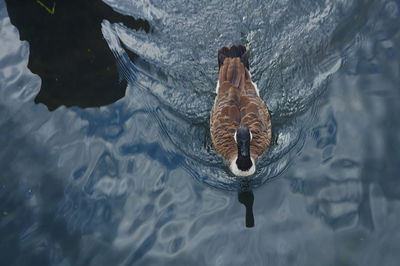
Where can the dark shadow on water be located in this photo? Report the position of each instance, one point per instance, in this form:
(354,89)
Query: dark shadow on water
(68,51)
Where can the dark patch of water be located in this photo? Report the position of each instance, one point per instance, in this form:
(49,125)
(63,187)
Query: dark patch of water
(68,52)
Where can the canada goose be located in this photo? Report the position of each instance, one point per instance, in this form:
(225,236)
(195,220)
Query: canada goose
(240,120)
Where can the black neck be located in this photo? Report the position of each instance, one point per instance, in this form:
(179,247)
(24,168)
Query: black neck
(243,139)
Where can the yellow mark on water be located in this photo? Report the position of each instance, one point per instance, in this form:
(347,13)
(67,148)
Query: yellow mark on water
(51,11)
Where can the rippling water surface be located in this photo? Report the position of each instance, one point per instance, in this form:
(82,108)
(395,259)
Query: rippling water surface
(138,183)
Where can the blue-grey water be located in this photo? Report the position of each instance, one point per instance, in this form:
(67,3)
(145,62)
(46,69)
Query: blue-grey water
(137,182)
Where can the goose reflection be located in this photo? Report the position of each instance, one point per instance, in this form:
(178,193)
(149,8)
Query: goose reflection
(247,199)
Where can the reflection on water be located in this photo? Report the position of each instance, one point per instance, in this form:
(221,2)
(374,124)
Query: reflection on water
(118,185)
(68,52)
(247,199)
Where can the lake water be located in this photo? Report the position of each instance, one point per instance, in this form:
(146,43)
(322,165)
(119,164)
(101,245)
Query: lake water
(136,182)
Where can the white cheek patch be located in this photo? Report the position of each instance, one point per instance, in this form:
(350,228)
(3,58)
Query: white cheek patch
(237,172)
(251,136)
(234,136)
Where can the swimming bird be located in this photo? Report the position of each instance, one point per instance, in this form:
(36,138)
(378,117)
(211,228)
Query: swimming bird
(240,122)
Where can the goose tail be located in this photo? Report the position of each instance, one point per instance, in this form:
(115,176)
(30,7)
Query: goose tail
(232,52)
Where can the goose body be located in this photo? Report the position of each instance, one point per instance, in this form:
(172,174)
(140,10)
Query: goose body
(240,121)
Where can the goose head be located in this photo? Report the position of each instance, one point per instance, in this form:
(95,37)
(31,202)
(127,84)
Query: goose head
(242,164)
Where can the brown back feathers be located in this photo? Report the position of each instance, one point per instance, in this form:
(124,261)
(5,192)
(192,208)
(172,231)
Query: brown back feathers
(238,103)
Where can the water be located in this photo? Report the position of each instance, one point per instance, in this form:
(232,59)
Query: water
(136,182)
